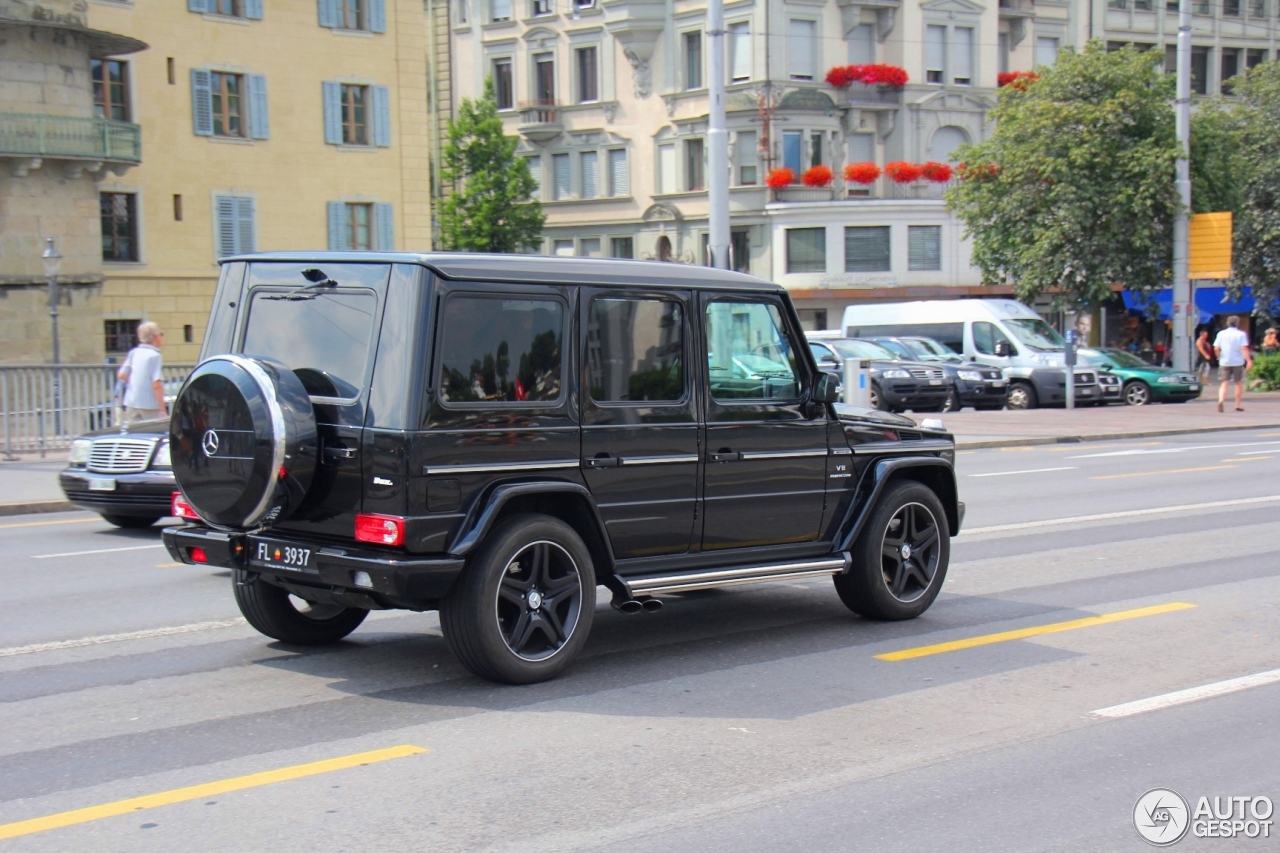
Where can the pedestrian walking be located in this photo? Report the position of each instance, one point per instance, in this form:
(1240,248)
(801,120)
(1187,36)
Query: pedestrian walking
(1232,349)
(144,385)
(1204,356)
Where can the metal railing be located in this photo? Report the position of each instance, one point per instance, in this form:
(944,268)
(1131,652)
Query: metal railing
(68,136)
(43,407)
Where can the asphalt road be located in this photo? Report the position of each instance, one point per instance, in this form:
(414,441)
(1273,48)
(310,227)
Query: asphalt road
(754,719)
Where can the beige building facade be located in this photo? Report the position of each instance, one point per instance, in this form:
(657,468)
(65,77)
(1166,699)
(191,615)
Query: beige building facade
(268,125)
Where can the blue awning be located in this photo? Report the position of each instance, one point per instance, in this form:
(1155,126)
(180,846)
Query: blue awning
(1209,301)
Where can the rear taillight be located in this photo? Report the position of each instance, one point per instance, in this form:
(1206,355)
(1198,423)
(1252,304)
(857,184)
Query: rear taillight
(179,508)
(198,555)
(380,529)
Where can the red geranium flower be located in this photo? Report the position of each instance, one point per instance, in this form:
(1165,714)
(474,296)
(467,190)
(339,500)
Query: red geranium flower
(1016,79)
(861,173)
(939,173)
(780,177)
(818,176)
(876,74)
(903,172)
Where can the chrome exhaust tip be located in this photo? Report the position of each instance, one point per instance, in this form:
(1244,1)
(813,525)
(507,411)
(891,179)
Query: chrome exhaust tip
(628,606)
(651,605)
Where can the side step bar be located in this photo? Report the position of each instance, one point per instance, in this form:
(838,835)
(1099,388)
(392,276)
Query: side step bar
(707,579)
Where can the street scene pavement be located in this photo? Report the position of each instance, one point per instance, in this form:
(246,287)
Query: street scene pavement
(1089,576)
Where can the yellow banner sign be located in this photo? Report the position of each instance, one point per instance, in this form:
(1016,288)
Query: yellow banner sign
(1210,245)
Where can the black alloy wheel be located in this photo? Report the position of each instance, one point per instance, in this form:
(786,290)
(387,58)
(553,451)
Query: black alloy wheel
(901,558)
(524,605)
(289,619)
(876,399)
(1021,396)
(1137,393)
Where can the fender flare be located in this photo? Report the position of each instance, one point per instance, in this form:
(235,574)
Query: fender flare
(485,511)
(886,471)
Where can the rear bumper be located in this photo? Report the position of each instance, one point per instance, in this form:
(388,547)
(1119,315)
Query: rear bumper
(394,578)
(144,495)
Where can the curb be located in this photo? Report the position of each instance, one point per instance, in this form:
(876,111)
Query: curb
(981,444)
(34,507)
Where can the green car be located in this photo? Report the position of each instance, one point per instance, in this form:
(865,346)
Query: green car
(1143,383)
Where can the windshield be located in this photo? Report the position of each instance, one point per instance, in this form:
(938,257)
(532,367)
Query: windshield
(930,349)
(1036,334)
(1123,359)
(863,349)
(898,349)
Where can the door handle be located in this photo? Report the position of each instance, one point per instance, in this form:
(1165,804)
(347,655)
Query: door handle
(338,452)
(724,456)
(604,460)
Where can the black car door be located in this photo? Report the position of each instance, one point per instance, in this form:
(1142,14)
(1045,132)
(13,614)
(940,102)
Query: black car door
(766,444)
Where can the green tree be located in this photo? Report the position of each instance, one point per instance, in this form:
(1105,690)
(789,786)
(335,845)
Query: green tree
(1256,224)
(1074,190)
(490,208)
(1215,159)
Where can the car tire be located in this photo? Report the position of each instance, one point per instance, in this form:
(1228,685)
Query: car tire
(523,606)
(131,522)
(1137,393)
(886,582)
(877,399)
(1021,395)
(952,403)
(273,611)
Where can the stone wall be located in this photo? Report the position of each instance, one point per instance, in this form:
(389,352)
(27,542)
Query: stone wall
(26,330)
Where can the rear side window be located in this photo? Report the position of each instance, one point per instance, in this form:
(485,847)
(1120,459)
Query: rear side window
(324,335)
(748,356)
(498,350)
(635,351)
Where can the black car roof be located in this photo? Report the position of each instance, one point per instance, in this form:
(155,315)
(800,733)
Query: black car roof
(538,269)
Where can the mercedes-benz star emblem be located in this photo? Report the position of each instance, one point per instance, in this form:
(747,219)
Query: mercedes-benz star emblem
(209,442)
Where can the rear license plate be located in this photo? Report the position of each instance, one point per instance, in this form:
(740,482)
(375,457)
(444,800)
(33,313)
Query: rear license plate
(280,555)
(102,484)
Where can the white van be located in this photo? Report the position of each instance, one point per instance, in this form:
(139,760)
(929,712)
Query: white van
(975,328)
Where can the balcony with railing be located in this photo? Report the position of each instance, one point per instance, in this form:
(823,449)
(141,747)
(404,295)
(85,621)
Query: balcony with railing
(882,189)
(540,120)
(70,138)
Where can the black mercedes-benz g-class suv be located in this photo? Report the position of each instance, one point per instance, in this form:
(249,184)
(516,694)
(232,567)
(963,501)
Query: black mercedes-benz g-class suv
(494,435)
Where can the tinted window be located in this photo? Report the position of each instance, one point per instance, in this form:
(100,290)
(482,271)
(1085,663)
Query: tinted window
(635,350)
(500,350)
(324,335)
(748,355)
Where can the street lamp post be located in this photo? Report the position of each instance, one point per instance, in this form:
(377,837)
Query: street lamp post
(52,262)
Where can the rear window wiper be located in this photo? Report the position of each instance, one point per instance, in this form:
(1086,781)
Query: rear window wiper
(318,279)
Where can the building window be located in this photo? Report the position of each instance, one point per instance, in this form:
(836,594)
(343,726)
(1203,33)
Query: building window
(1257,8)
(962,56)
(589,247)
(748,158)
(358,227)
(227,102)
(792,145)
(935,54)
(862,45)
(230,8)
(463,11)
(352,15)
(806,250)
(694,172)
(542,7)
(355,117)
(667,167)
(584,4)
(110,89)
(948,55)
(589,162)
(544,80)
(622,247)
(619,173)
(499,10)
(924,248)
(739,51)
(361,226)
(121,335)
(1230,67)
(1200,70)
(119,226)
(802,49)
(866,249)
(1046,50)
(1231,8)
(693,60)
(503,85)
(357,114)
(588,75)
(815,149)
(1254,57)
(563,187)
(235,220)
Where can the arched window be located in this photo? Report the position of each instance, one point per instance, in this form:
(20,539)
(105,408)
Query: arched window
(944,143)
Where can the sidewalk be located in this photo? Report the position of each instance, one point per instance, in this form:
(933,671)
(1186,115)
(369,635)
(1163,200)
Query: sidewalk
(30,484)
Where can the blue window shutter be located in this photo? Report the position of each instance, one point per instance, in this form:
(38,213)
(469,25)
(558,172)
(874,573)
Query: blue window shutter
(332,113)
(253,9)
(226,212)
(246,236)
(386,228)
(330,16)
(201,102)
(381,116)
(337,234)
(378,16)
(199,6)
(259,123)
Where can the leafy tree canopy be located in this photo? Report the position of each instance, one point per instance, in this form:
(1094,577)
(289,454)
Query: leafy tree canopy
(490,208)
(1074,190)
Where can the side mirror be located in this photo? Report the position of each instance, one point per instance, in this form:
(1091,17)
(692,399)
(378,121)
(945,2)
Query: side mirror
(826,389)
(1004,349)
(829,359)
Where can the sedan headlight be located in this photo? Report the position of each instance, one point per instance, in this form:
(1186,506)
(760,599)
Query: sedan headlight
(970,375)
(896,373)
(81,449)
(162,459)
(1170,380)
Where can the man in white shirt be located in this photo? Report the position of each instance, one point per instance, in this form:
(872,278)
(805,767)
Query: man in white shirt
(1232,348)
(144,394)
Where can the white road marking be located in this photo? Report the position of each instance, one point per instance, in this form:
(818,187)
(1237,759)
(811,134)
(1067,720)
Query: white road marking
(1028,471)
(99,551)
(1253,452)
(1192,694)
(1130,513)
(118,638)
(1176,449)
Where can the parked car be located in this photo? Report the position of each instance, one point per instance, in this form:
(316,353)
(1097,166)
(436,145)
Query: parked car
(896,384)
(491,436)
(122,473)
(1143,383)
(974,385)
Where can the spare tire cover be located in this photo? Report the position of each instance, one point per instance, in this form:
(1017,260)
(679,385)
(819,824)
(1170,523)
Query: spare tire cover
(243,441)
